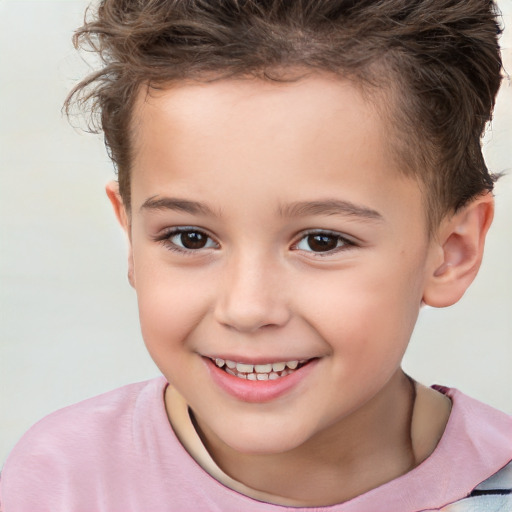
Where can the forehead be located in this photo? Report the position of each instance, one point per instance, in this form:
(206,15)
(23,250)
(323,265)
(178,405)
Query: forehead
(317,93)
(251,137)
(257,109)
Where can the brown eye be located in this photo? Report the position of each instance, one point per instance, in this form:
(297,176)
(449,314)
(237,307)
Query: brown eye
(191,240)
(322,243)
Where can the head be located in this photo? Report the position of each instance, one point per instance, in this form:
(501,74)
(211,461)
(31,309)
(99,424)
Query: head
(431,67)
(295,179)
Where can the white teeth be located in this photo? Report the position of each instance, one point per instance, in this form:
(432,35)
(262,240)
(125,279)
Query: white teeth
(263,368)
(269,371)
(244,368)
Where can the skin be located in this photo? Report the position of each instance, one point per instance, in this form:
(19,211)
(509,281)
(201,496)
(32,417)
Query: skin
(248,151)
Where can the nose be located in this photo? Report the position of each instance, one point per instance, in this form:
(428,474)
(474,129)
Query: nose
(252,296)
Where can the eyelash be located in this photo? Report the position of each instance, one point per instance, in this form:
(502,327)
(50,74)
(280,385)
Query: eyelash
(166,240)
(347,243)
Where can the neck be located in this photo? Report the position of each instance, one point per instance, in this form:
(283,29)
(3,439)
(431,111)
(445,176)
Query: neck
(363,450)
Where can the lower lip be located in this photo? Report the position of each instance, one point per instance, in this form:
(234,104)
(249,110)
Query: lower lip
(258,391)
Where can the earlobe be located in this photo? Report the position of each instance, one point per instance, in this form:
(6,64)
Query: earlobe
(112,190)
(458,252)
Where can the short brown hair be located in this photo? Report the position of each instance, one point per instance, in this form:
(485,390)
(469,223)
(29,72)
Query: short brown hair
(437,60)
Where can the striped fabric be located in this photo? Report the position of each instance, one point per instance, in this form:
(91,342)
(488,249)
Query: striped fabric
(492,495)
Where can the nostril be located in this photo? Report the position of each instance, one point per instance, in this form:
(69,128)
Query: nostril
(245,321)
(250,317)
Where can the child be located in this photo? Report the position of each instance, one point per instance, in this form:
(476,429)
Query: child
(295,180)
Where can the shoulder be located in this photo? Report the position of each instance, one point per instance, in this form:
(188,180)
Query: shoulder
(477,433)
(493,494)
(476,445)
(489,428)
(64,446)
(477,454)
(88,421)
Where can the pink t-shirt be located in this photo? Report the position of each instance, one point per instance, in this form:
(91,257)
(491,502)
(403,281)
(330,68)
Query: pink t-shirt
(118,453)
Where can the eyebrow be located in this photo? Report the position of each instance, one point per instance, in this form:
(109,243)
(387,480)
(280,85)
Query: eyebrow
(296,209)
(177,204)
(329,207)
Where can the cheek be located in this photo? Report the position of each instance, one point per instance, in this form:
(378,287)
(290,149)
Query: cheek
(367,316)
(171,302)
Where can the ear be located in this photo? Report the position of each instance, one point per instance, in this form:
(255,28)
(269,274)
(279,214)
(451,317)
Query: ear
(112,189)
(458,252)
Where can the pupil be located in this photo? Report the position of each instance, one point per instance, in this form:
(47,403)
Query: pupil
(193,240)
(322,243)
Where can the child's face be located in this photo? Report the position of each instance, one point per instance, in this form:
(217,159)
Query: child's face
(303,242)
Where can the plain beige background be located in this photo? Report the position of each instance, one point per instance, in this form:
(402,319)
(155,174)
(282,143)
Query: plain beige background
(68,324)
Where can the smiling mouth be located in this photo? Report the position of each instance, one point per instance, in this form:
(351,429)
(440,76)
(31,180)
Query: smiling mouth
(259,372)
